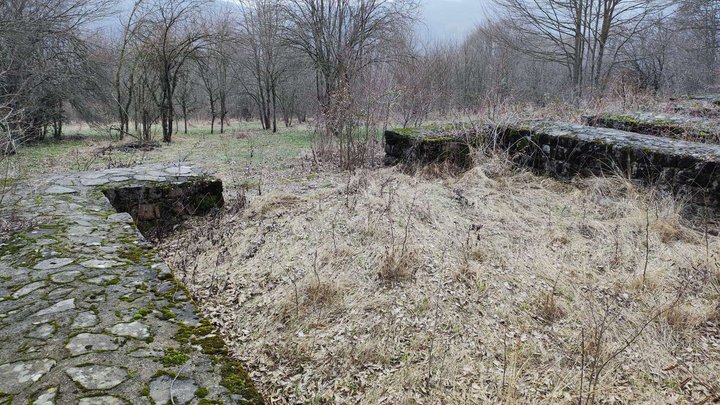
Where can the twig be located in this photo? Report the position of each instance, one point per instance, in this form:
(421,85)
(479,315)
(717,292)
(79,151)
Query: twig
(647,242)
(172,399)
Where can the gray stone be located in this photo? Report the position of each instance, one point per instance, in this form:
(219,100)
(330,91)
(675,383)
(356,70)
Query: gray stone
(108,249)
(142,352)
(42,331)
(47,397)
(86,240)
(84,221)
(101,400)
(85,320)
(45,242)
(424,146)
(94,182)
(95,297)
(121,217)
(61,306)
(142,177)
(65,276)
(101,279)
(93,175)
(97,377)
(54,263)
(99,264)
(685,168)
(60,190)
(91,342)
(80,230)
(672,126)
(162,268)
(59,293)
(16,376)
(27,289)
(40,232)
(179,170)
(133,329)
(183,391)
(95,322)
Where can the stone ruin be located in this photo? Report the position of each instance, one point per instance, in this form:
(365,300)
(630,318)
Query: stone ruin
(451,144)
(89,314)
(665,125)
(686,168)
(626,145)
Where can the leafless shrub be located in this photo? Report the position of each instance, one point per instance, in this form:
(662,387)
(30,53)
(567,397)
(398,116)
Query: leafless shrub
(237,202)
(357,182)
(598,349)
(647,283)
(7,184)
(399,262)
(467,272)
(10,223)
(547,307)
(83,162)
(398,265)
(320,293)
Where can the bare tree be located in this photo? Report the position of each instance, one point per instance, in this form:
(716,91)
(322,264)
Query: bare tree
(169,41)
(585,36)
(45,64)
(264,59)
(342,38)
(214,65)
(124,77)
(186,94)
(423,83)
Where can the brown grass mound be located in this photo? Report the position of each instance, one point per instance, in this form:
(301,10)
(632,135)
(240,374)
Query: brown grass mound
(506,287)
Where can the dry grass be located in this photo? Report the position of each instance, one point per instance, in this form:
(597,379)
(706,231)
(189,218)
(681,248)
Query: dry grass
(398,266)
(548,308)
(509,288)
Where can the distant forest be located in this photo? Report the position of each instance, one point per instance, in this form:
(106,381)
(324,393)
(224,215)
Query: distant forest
(346,64)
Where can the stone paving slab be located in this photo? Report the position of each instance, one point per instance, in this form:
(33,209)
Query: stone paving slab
(710,98)
(89,314)
(706,106)
(667,125)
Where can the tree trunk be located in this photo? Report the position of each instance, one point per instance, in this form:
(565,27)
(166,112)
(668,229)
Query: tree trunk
(274,109)
(183,105)
(608,15)
(579,48)
(223,111)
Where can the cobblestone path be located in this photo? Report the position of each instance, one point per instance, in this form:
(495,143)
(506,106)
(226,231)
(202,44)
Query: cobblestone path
(88,312)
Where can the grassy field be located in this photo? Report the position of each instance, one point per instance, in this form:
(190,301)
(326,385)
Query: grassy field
(85,148)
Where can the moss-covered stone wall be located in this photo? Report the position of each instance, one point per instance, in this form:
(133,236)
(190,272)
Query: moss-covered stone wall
(157,206)
(688,168)
(452,144)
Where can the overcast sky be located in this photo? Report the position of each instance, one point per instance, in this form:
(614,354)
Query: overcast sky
(440,20)
(447,20)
